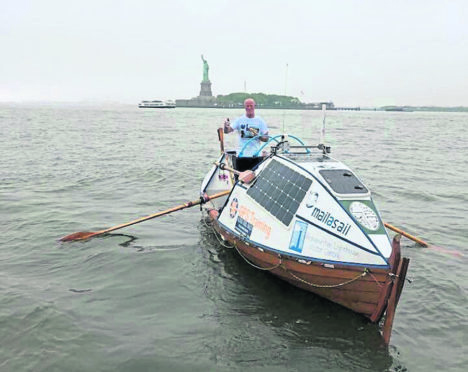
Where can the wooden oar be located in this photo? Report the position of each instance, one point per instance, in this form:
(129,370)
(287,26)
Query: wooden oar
(82,235)
(245,176)
(404,233)
(423,243)
(221,139)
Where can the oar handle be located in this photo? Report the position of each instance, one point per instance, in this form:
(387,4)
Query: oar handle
(225,167)
(245,177)
(404,233)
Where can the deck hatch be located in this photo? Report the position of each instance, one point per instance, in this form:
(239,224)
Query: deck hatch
(343,181)
(280,190)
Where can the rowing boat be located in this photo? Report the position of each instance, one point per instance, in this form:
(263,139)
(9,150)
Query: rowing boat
(308,219)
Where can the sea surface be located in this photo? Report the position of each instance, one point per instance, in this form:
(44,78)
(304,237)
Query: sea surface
(165,295)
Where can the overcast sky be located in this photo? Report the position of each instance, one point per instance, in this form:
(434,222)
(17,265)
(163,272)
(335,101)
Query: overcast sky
(354,53)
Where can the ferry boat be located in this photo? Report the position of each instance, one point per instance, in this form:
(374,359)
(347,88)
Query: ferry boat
(157,104)
(307,218)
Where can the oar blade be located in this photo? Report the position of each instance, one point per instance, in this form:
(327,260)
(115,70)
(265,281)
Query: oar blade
(451,252)
(81,235)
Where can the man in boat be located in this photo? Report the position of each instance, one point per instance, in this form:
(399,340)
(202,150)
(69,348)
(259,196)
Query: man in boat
(248,126)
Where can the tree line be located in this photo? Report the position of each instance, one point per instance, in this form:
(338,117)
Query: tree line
(261,99)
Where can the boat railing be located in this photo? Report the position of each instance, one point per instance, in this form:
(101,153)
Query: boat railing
(325,149)
(284,146)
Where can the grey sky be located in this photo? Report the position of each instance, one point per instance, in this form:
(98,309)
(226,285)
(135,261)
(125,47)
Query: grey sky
(365,53)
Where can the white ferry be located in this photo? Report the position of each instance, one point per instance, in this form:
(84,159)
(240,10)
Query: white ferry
(157,104)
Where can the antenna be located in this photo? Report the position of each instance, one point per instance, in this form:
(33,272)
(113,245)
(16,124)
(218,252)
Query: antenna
(325,149)
(285,88)
(322,132)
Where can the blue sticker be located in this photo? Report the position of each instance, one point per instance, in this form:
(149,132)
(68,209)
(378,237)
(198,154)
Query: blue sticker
(298,236)
(243,227)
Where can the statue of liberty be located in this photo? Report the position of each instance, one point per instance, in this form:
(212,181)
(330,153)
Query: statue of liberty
(206,68)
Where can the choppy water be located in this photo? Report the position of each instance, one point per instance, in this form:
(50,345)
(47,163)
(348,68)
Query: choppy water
(167,296)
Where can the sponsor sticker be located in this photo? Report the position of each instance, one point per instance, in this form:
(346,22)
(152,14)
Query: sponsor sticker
(243,226)
(332,222)
(364,215)
(234,207)
(249,216)
(298,236)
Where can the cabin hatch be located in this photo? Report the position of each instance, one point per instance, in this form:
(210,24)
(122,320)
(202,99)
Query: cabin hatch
(343,181)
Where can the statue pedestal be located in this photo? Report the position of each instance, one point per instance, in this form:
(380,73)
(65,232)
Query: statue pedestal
(205,89)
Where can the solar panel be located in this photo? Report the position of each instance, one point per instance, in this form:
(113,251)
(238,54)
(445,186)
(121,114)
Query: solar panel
(280,190)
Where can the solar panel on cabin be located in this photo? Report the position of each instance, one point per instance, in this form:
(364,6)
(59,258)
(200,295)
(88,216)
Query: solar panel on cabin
(343,181)
(280,190)
(275,209)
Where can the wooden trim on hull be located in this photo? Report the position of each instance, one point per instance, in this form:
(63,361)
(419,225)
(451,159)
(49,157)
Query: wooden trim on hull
(394,261)
(366,291)
(394,298)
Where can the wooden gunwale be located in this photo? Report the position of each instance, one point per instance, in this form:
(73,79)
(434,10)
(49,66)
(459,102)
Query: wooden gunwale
(314,271)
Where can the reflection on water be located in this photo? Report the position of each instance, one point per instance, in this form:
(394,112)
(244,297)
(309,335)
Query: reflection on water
(302,321)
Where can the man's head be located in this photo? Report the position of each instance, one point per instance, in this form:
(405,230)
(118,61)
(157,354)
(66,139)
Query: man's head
(249,105)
